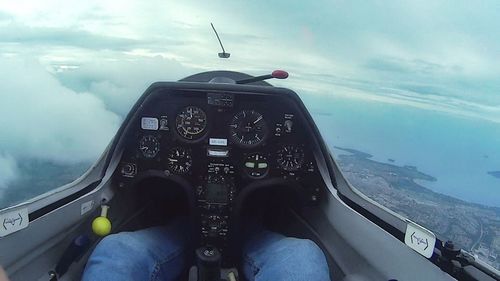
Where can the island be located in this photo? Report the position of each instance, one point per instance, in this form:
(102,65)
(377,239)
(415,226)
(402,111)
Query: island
(495,174)
(473,227)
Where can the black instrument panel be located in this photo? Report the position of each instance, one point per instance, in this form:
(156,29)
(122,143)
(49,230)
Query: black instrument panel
(261,136)
(220,142)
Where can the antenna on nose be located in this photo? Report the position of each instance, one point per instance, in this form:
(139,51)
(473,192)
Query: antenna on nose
(222,55)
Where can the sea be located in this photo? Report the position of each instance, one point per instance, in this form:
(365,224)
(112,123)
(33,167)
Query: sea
(458,151)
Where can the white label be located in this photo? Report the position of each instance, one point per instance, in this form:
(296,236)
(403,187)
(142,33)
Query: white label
(218,153)
(13,221)
(148,123)
(87,206)
(221,142)
(420,239)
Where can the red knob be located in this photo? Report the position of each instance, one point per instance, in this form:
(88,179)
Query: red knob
(279,74)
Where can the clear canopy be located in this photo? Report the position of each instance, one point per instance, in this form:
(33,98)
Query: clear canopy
(406,93)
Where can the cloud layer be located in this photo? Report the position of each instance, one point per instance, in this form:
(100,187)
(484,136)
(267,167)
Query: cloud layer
(8,171)
(42,119)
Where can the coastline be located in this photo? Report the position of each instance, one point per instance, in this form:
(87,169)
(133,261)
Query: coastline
(472,226)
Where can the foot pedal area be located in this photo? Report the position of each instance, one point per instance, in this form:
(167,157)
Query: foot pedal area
(226,274)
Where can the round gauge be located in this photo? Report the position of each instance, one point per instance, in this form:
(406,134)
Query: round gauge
(191,122)
(290,157)
(179,160)
(248,128)
(256,165)
(149,146)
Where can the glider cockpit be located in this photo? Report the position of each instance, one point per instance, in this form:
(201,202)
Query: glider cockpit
(231,150)
(223,156)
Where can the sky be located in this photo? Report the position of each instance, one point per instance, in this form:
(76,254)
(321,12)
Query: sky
(70,70)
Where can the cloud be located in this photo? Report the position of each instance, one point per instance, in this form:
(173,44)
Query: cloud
(428,97)
(416,66)
(118,84)
(42,119)
(432,56)
(5,16)
(59,36)
(8,171)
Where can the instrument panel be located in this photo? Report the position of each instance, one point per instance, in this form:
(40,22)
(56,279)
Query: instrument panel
(259,137)
(220,142)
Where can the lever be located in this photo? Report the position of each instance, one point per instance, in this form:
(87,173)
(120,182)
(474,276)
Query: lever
(278,74)
(101,225)
(208,261)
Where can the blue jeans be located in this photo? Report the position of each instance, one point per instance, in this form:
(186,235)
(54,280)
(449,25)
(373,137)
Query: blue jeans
(157,253)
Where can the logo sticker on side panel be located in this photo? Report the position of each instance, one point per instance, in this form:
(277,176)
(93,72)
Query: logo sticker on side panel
(13,221)
(420,239)
(86,207)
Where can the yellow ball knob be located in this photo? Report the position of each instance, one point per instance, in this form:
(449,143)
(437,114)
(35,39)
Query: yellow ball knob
(101,226)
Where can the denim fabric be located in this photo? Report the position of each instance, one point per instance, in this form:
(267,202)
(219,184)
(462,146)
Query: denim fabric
(151,254)
(158,254)
(271,256)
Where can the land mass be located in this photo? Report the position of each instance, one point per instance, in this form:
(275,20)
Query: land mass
(471,226)
(37,177)
(496,174)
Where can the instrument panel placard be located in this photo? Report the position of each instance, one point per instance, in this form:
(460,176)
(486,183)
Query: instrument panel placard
(218,142)
(149,123)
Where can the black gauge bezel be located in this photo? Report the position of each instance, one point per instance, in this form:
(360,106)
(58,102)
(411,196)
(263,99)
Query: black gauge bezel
(171,166)
(246,169)
(196,137)
(157,146)
(232,132)
(294,147)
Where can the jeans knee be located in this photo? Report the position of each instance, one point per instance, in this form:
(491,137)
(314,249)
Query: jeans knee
(304,248)
(300,259)
(111,242)
(120,245)
(307,255)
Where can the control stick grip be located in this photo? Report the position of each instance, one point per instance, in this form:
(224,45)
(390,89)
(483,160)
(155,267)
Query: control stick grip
(208,261)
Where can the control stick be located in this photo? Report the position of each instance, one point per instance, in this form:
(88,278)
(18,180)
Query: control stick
(208,261)
(278,74)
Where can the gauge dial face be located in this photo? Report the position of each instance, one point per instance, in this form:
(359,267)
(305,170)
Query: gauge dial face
(256,165)
(149,146)
(248,128)
(191,122)
(179,160)
(290,157)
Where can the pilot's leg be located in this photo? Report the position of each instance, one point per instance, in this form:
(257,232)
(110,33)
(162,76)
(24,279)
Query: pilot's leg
(155,253)
(272,256)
